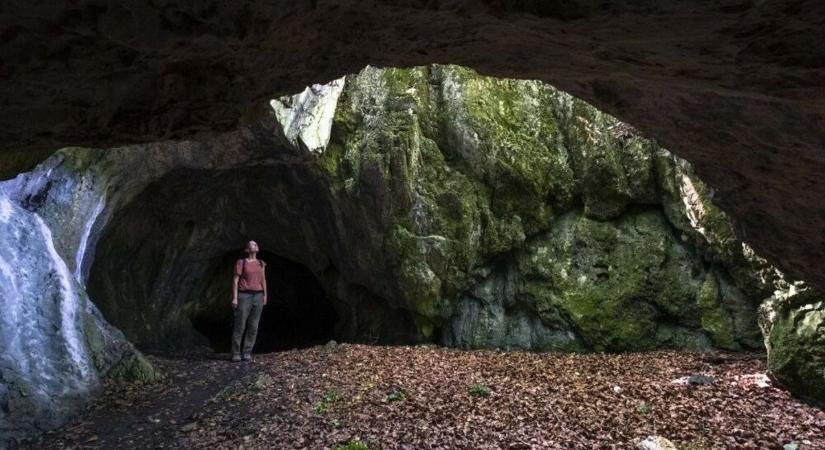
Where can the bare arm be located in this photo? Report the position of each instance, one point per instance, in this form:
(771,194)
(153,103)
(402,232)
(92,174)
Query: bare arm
(235,290)
(263,270)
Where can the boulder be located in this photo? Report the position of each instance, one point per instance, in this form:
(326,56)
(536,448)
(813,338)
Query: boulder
(55,346)
(793,322)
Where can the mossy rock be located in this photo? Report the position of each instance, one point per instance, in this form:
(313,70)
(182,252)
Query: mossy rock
(715,320)
(616,282)
(796,343)
(135,369)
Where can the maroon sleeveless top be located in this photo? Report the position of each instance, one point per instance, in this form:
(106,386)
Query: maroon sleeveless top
(251,275)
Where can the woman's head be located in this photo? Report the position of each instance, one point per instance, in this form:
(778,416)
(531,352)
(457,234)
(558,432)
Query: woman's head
(251,247)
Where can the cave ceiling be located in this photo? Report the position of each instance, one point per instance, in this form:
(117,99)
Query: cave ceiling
(735,87)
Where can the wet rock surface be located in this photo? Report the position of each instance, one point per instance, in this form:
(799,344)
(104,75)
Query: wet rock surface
(55,346)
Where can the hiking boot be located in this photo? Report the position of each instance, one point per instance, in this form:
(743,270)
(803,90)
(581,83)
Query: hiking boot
(247,357)
(236,358)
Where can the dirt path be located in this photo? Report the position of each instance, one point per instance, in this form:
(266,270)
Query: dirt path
(429,397)
(148,416)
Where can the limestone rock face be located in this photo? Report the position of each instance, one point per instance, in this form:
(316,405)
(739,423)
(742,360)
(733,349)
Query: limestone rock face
(432,204)
(54,344)
(459,205)
(521,201)
(794,325)
(306,119)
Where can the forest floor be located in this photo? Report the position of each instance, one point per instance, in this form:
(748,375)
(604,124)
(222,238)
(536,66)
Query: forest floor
(432,397)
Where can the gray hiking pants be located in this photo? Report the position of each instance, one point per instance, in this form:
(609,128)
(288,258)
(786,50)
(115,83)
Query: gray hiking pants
(247,315)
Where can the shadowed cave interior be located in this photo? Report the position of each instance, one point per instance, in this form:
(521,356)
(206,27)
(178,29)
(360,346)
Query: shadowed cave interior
(298,313)
(163,269)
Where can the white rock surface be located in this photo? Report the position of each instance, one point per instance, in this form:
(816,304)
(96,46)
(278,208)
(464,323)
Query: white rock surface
(306,118)
(656,443)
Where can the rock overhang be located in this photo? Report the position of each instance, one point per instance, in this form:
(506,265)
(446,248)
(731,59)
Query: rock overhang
(733,86)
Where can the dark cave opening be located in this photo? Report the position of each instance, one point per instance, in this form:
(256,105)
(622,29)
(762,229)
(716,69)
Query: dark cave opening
(163,265)
(298,313)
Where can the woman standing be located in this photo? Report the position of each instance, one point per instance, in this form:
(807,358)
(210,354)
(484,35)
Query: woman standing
(248,300)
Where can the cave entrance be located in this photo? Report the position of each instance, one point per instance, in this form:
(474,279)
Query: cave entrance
(298,314)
